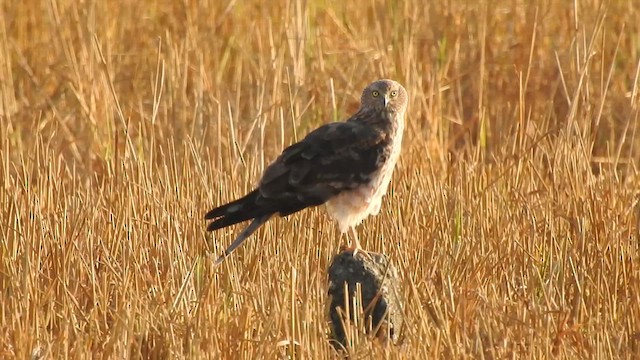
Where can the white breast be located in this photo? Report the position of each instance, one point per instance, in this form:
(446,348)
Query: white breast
(351,207)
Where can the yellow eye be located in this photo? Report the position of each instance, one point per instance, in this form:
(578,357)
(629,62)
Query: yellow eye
(375,93)
(394,93)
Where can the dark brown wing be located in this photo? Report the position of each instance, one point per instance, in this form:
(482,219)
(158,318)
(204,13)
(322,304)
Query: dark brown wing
(333,158)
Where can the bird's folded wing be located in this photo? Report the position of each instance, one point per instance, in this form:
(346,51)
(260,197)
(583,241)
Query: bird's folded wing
(333,158)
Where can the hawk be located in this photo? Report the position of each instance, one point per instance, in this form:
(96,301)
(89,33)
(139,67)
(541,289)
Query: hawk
(345,165)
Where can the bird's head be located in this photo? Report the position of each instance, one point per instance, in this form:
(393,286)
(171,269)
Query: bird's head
(384,95)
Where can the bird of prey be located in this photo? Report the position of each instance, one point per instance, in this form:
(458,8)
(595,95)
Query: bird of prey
(345,165)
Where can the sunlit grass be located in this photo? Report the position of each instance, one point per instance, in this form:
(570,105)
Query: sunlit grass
(512,216)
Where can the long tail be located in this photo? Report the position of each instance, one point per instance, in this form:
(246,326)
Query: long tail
(255,224)
(253,206)
(235,212)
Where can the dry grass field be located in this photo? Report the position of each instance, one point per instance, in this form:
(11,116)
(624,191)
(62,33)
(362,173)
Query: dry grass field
(513,216)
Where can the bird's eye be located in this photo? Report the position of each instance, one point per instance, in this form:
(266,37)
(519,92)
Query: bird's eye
(375,93)
(394,93)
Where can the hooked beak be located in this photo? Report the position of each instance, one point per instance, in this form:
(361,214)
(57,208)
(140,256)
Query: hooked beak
(386,101)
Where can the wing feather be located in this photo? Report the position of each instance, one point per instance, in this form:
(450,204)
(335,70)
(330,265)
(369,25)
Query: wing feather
(333,158)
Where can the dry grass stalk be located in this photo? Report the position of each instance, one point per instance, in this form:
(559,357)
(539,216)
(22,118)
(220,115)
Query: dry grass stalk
(513,216)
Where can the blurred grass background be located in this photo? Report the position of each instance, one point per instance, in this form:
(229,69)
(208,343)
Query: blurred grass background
(512,216)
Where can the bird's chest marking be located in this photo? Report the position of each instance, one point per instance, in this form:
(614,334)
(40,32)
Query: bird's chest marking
(350,207)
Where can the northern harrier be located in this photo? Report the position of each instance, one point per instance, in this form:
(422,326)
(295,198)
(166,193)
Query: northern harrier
(347,165)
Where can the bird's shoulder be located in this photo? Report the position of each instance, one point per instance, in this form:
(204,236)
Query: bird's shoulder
(333,139)
(339,154)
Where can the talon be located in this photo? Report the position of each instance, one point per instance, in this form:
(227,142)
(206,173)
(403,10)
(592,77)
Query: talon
(354,247)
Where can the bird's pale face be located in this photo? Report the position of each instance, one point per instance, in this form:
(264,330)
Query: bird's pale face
(384,95)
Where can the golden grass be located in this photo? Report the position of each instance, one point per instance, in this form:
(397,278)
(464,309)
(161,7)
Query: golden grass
(512,217)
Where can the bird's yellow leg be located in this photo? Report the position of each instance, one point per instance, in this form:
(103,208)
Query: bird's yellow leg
(356,241)
(354,246)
